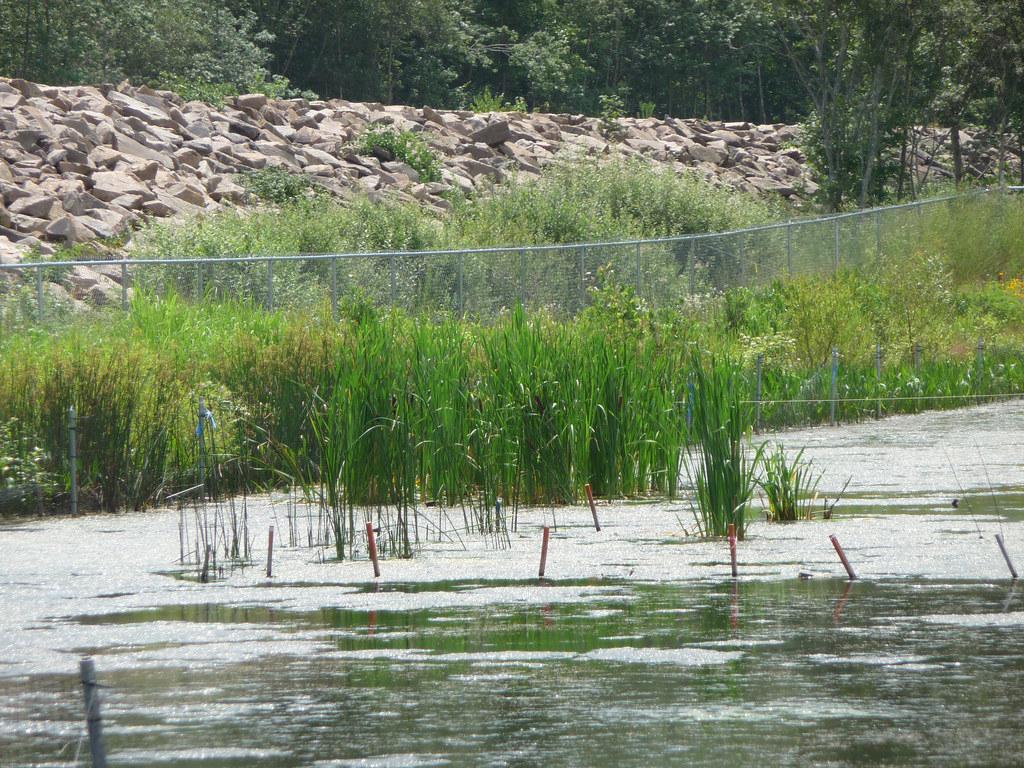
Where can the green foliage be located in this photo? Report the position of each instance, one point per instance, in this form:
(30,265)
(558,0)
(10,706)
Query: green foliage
(24,475)
(277,185)
(406,146)
(789,486)
(722,474)
(219,93)
(485,101)
(612,110)
(577,200)
(822,315)
(646,109)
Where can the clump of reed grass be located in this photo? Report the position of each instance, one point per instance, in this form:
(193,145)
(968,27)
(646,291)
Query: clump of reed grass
(722,474)
(789,486)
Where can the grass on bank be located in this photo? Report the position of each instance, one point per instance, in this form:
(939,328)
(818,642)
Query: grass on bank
(523,407)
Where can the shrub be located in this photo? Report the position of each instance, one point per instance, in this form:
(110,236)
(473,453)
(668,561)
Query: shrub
(405,146)
(277,185)
(612,109)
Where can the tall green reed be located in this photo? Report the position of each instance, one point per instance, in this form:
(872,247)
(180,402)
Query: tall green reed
(722,474)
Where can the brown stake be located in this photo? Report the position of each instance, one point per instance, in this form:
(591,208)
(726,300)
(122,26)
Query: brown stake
(732,547)
(270,553)
(371,543)
(593,507)
(842,556)
(544,550)
(1006,555)
(204,576)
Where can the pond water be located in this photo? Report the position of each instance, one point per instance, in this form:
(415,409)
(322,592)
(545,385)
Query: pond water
(639,650)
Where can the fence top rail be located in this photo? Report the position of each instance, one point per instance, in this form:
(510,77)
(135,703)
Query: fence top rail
(250,258)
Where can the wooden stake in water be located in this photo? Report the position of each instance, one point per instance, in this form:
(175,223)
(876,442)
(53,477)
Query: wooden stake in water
(732,548)
(842,556)
(371,544)
(544,551)
(593,507)
(204,576)
(1006,555)
(93,721)
(270,552)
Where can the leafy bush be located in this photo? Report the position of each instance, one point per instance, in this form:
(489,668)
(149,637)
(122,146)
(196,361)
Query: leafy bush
(405,146)
(486,101)
(218,93)
(612,109)
(277,185)
(24,475)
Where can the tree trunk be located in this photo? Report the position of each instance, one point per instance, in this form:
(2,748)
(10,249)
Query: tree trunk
(902,176)
(958,157)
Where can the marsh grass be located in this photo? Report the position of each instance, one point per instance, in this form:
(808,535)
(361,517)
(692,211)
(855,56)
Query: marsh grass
(788,485)
(722,473)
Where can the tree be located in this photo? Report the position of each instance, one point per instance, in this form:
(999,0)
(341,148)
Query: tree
(852,58)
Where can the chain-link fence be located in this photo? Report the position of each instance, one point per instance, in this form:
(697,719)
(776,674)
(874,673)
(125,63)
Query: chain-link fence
(483,282)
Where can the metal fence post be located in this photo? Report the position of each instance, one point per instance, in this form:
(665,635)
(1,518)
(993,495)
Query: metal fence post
(835,266)
(394,279)
(693,266)
(462,277)
(522,276)
(93,720)
(334,289)
(789,249)
(757,398)
(981,361)
(878,380)
(878,233)
(40,306)
(583,277)
(743,260)
(73,456)
(638,270)
(124,287)
(835,386)
(270,285)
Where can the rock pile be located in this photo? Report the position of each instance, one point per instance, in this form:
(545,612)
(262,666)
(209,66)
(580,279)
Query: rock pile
(80,163)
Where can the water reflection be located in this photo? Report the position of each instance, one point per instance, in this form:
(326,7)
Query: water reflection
(794,672)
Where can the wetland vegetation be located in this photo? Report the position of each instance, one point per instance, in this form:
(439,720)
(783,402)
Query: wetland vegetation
(384,409)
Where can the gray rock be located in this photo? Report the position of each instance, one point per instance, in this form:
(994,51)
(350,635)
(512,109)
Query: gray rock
(493,134)
(36,206)
(190,193)
(68,230)
(11,100)
(110,185)
(712,153)
(251,101)
(105,157)
(160,208)
(23,223)
(80,203)
(248,130)
(147,113)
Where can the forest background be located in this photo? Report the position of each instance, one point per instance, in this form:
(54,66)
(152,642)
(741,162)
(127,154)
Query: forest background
(858,74)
